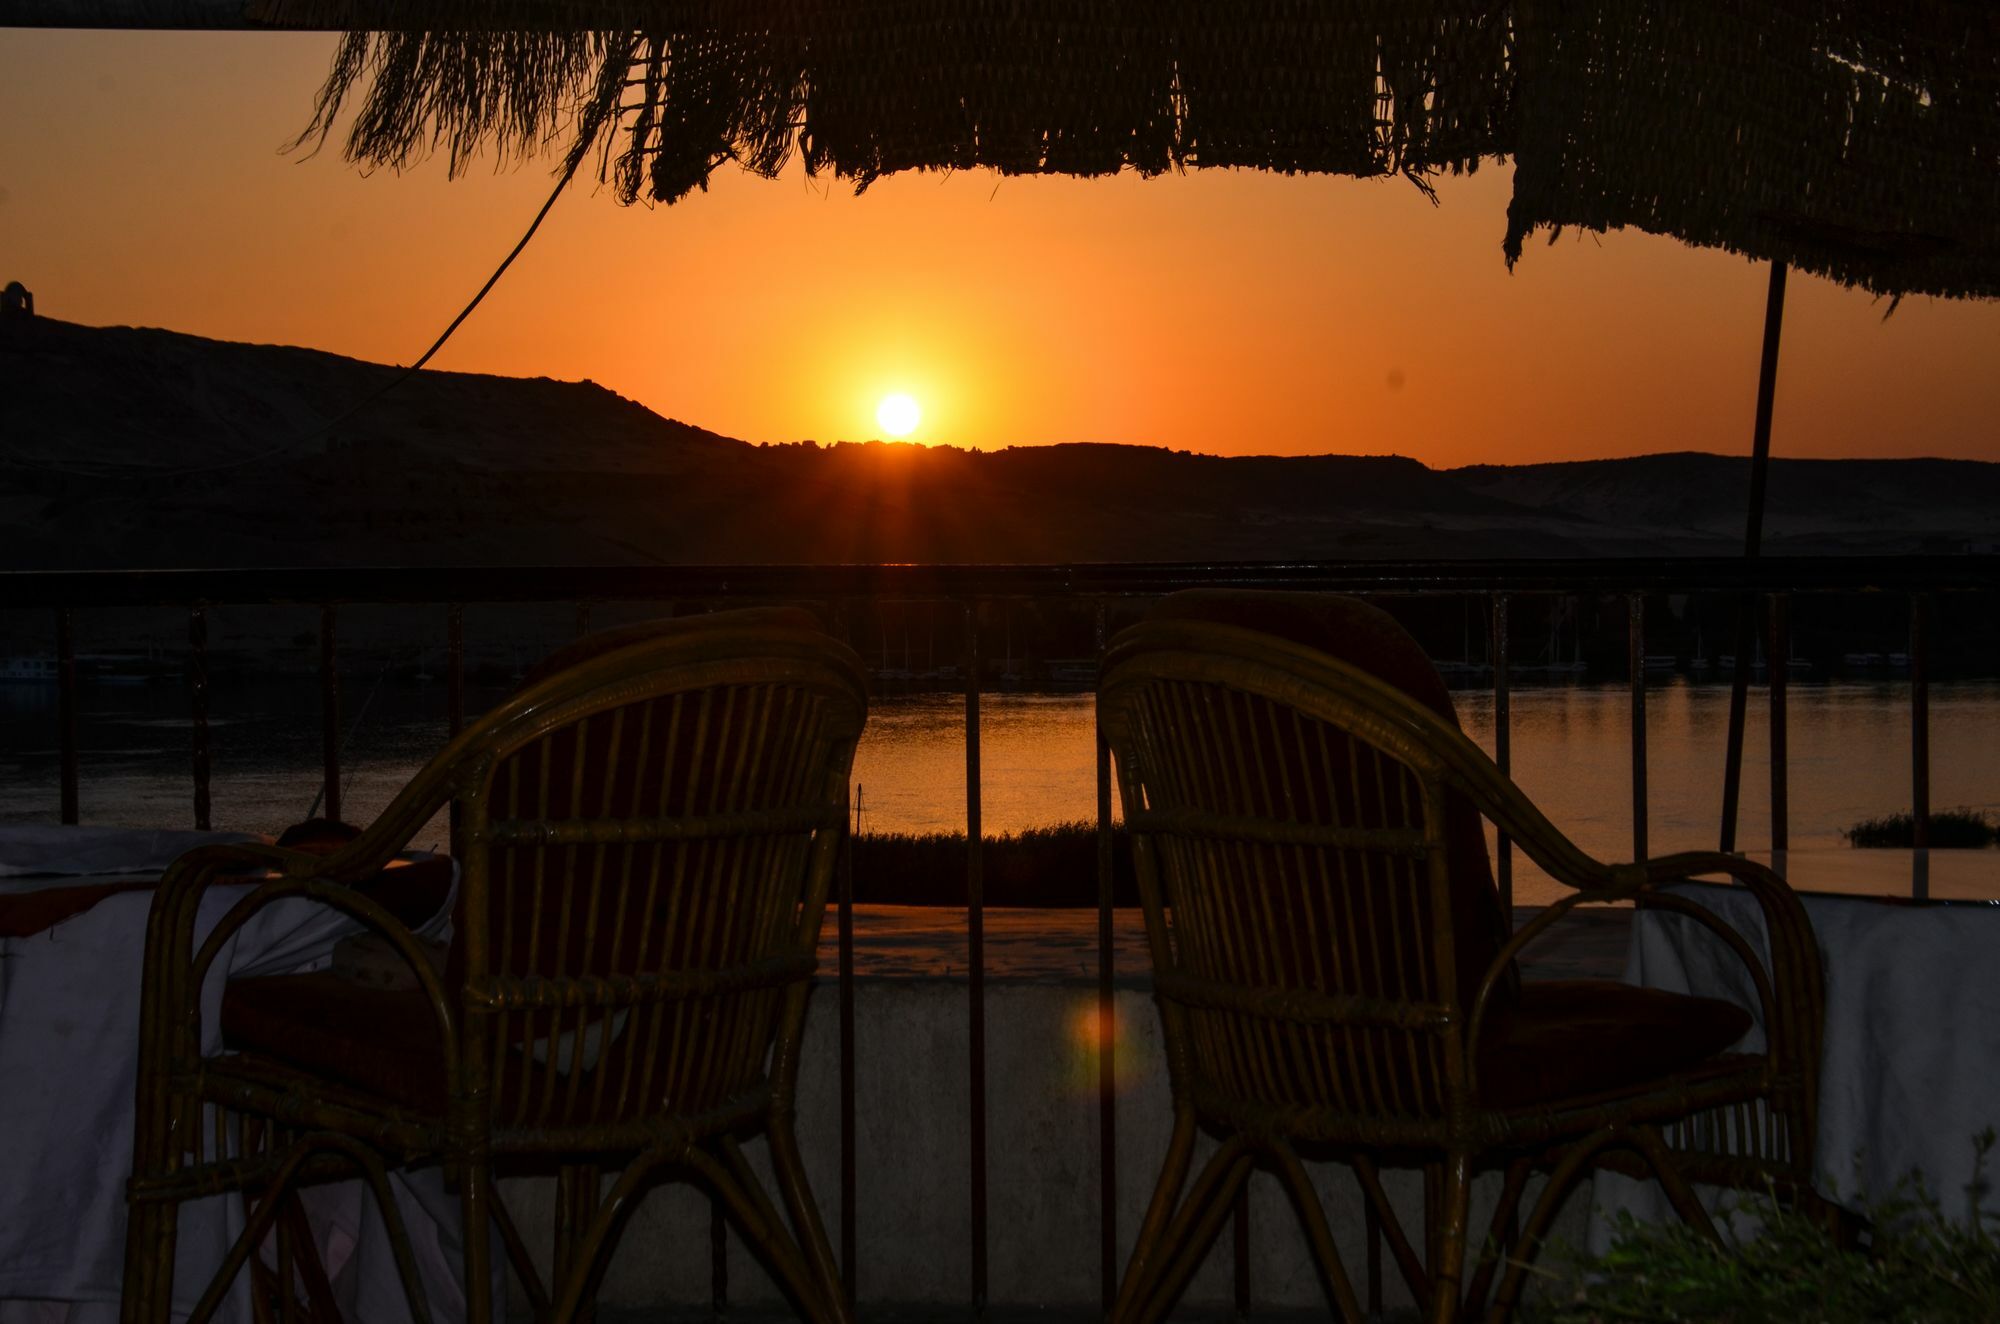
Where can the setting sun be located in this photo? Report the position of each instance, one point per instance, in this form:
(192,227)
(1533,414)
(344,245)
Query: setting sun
(898,414)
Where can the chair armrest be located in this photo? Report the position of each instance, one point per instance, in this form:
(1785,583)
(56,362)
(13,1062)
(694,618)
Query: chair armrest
(1795,1024)
(175,971)
(170,1001)
(1791,990)
(177,900)
(1503,961)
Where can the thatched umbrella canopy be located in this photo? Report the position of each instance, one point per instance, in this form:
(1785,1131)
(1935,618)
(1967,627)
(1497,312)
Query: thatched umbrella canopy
(1859,141)
(664,93)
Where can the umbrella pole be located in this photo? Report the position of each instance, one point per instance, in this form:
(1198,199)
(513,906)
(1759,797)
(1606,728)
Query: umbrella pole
(1746,618)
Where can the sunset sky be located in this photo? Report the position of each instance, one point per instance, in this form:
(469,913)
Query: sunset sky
(142,182)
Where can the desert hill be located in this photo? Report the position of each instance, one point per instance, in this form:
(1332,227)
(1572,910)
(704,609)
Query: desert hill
(128,447)
(1812,506)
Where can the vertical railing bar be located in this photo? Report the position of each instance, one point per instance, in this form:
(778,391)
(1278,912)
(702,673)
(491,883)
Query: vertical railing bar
(198,710)
(1240,1237)
(1636,650)
(329,708)
(454,702)
(1503,758)
(1371,1235)
(66,740)
(975,934)
(1780,652)
(1503,749)
(718,1227)
(565,1229)
(849,1161)
(1107,1025)
(718,1258)
(582,619)
(1920,722)
(454,665)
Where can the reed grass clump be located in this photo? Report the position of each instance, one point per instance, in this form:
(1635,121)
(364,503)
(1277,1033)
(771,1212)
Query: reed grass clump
(1053,867)
(1915,1265)
(1951,829)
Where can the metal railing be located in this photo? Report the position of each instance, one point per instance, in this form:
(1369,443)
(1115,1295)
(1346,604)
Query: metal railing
(1498,586)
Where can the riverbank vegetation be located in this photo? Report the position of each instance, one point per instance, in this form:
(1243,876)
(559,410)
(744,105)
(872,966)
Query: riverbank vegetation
(1053,867)
(1949,829)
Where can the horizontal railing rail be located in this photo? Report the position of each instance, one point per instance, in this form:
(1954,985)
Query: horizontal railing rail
(318,585)
(1768,581)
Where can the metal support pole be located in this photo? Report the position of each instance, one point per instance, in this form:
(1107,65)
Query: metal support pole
(1767,394)
(1739,701)
(1753,537)
(1779,654)
(1636,652)
(1920,722)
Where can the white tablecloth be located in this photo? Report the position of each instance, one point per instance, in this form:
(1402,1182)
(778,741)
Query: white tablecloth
(69,1034)
(1911,1070)
(54,856)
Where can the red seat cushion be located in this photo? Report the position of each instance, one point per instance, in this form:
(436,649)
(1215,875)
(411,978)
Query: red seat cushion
(1571,1038)
(381,1041)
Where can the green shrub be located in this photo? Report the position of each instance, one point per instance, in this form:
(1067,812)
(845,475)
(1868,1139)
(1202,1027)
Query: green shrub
(1915,1266)
(1950,828)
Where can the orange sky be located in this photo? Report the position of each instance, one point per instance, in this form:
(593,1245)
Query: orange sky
(141,183)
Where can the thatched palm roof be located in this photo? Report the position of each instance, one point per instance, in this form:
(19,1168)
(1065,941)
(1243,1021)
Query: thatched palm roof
(866,89)
(1858,139)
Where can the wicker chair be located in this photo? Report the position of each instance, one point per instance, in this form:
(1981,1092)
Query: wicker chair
(1335,977)
(648,838)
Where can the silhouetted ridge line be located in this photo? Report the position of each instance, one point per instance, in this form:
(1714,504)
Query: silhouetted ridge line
(466,469)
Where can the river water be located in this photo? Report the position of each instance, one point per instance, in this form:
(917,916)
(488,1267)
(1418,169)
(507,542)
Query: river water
(1849,752)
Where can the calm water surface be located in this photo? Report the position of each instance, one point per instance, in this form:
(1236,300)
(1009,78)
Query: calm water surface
(1849,750)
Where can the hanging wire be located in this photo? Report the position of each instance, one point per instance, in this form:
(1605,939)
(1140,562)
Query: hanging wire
(593,120)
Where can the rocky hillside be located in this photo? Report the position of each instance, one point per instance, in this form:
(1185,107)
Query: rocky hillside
(1811,507)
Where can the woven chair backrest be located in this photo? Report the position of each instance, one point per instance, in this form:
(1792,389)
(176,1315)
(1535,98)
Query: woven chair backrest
(647,863)
(1317,893)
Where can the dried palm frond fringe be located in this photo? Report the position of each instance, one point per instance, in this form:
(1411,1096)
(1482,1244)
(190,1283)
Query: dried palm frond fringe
(1860,141)
(866,89)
